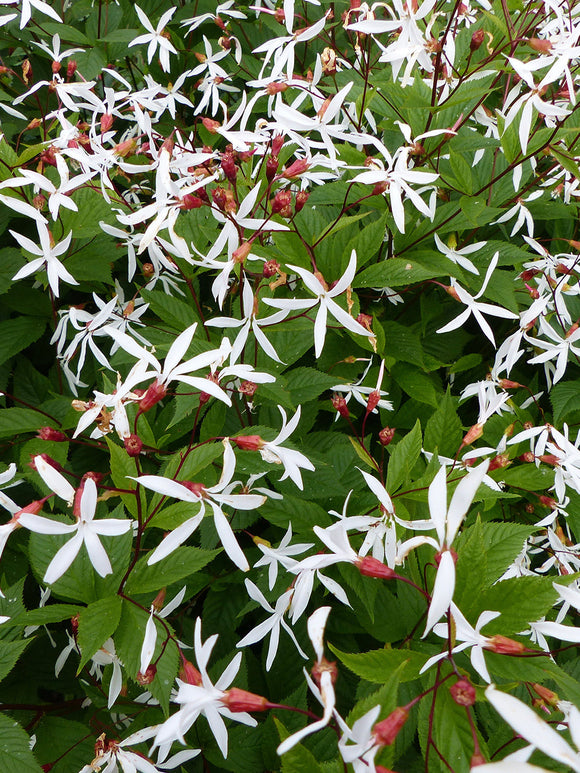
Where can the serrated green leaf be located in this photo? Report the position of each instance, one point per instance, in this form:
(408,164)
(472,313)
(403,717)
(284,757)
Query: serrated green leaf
(14,421)
(444,430)
(170,309)
(15,753)
(378,666)
(565,399)
(55,613)
(182,562)
(298,759)
(16,334)
(415,383)
(404,457)
(396,272)
(362,453)
(521,600)
(97,623)
(10,651)
(307,383)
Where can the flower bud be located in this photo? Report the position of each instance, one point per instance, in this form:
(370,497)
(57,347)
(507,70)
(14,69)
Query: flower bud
(301,199)
(472,435)
(229,168)
(242,252)
(551,698)
(373,400)
(340,405)
(189,673)
(48,433)
(527,457)
(126,148)
(366,321)
(271,167)
(189,201)
(148,676)
(499,462)
(299,166)
(386,731)
(281,204)
(275,88)
(386,435)
(477,39)
(271,268)
(152,396)
(241,700)
(248,388)
(539,45)
(380,188)
(71,68)
(106,122)
(463,692)
(133,445)
(504,645)
(249,442)
(372,567)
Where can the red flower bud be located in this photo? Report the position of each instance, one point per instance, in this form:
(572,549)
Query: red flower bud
(301,199)
(247,388)
(229,167)
(271,268)
(189,201)
(152,396)
(372,567)
(48,433)
(504,645)
(133,445)
(189,673)
(148,676)
(249,442)
(386,731)
(281,204)
(71,68)
(106,122)
(340,405)
(463,692)
(299,166)
(242,700)
(477,39)
(386,435)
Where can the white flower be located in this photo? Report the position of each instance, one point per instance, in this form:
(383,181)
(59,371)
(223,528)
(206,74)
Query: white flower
(48,253)
(325,298)
(476,308)
(291,460)
(215,496)
(86,531)
(155,38)
(202,698)
(270,626)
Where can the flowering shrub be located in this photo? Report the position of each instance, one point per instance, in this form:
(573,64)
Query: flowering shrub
(290,397)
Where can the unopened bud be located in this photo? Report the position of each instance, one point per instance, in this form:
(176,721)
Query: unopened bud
(547,501)
(248,388)
(229,167)
(499,462)
(539,45)
(373,400)
(296,169)
(106,122)
(71,68)
(152,396)
(271,268)
(372,567)
(504,645)
(340,405)
(148,676)
(550,697)
(301,199)
(275,88)
(386,435)
(133,445)
(241,700)
(463,692)
(48,433)
(211,125)
(282,204)
(473,434)
(527,457)
(249,442)
(550,459)
(386,731)
(271,167)
(189,673)
(477,39)
(380,188)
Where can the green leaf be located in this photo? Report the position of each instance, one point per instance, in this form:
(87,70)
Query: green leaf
(362,453)
(565,399)
(461,171)
(404,457)
(15,753)
(10,651)
(97,623)
(397,272)
(402,344)
(521,600)
(471,566)
(16,334)
(123,469)
(308,383)
(14,421)
(170,309)
(297,759)
(416,384)
(131,629)
(526,476)
(183,562)
(55,613)
(443,430)
(378,666)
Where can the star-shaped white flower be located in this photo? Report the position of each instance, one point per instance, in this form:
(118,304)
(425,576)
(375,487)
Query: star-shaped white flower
(155,38)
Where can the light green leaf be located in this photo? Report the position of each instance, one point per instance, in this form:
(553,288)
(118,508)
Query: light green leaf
(97,623)
(378,666)
(181,563)
(15,753)
(404,457)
